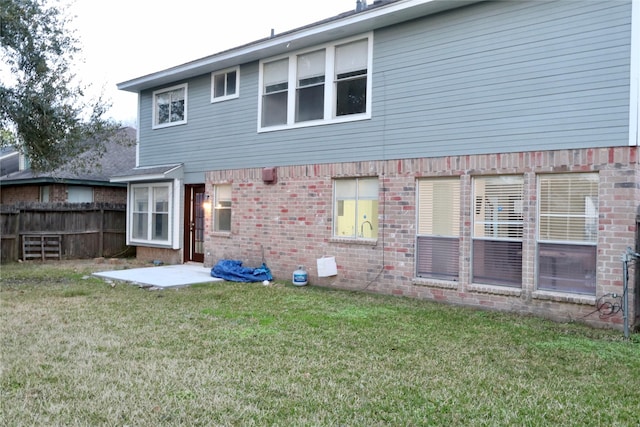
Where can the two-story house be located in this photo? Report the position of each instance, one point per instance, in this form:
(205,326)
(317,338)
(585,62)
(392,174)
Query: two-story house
(482,153)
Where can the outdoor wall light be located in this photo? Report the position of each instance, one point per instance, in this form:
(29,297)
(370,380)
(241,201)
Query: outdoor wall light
(206,204)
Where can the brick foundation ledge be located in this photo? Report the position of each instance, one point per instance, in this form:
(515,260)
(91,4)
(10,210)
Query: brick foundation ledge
(433,283)
(562,297)
(495,290)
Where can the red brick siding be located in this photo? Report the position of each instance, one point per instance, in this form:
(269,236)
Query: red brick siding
(167,256)
(23,193)
(290,224)
(110,195)
(58,193)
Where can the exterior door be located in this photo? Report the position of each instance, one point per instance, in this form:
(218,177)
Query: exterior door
(194,223)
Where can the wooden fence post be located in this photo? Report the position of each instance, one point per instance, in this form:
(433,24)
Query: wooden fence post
(101,233)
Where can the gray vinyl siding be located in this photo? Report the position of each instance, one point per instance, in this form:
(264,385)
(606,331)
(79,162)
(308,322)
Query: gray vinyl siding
(493,77)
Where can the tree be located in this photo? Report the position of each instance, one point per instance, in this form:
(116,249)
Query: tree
(43,111)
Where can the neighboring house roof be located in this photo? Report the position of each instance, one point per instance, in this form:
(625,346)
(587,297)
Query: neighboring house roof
(9,160)
(380,14)
(118,157)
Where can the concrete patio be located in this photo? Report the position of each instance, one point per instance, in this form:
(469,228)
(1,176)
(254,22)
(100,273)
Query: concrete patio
(166,276)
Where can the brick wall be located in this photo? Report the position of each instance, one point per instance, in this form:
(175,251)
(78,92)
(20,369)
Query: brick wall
(167,256)
(110,195)
(23,193)
(58,193)
(290,223)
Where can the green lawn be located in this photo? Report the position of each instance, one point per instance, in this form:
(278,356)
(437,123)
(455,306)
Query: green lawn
(78,352)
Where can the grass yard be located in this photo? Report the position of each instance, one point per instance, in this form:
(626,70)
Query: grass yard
(78,352)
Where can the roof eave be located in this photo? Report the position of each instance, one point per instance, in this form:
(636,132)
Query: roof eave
(323,32)
(64,181)
(168,172)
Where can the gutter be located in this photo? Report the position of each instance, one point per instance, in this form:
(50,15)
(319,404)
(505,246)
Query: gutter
(49,180)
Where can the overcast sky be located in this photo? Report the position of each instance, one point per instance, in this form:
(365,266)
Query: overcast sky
(125,39)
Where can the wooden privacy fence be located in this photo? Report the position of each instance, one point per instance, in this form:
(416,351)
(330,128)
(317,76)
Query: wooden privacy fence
(62,231)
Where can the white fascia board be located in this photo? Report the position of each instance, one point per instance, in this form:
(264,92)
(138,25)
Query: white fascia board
(333,29)
(634,83)
(172,172)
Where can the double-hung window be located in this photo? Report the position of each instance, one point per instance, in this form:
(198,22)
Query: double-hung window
(497,230)
(567,232)
(170,106)
(222,208)
(321,85)
(310,86)
(274,97)
(438,237)
(150,211)
(225,84)
(356,208)
(351,78)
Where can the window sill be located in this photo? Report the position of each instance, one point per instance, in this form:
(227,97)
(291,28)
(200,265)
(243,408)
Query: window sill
(342,119)
(151,244)
(495,290)
(226,234)
(354,241)
(564,297)
(435,283)
(168,125)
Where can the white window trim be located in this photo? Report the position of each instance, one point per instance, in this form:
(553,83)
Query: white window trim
(329,94)
(334,217)
(225,72)
(216,200)
(171,186)
(155,125)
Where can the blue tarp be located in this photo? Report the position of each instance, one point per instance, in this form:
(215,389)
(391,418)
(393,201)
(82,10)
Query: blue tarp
(232,270)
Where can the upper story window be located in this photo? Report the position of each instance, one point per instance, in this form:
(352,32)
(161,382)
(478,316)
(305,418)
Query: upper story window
(170,106)
(225,84)
(323,85)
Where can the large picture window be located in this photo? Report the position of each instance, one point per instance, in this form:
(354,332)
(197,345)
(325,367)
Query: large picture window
(438,237)
(567,232)
(170,106)
(150,212)
(356,208)
(497,230)
(222,208)
(324,84)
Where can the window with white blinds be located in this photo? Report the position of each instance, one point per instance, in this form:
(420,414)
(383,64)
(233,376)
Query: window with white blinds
(567,232)
(438,238)
(497,230)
